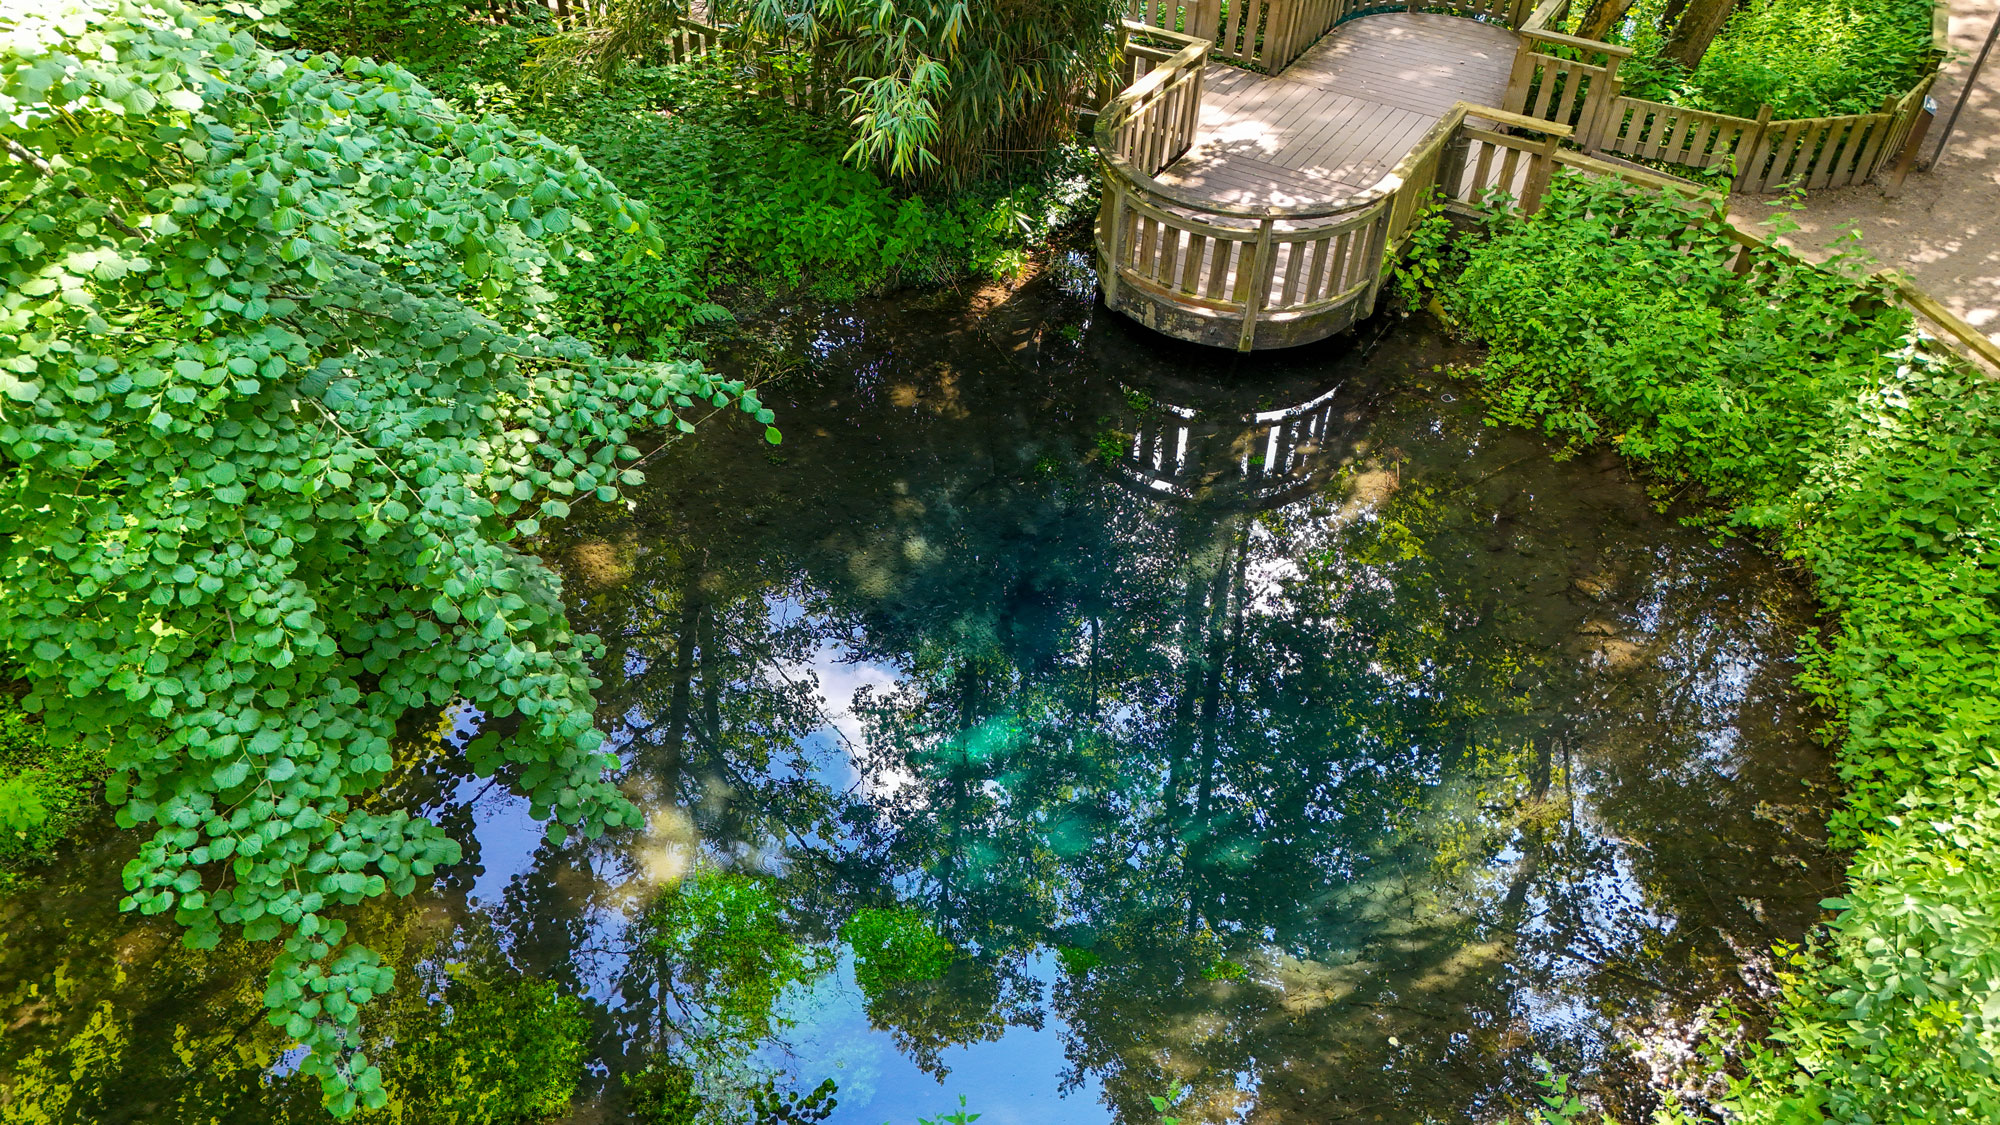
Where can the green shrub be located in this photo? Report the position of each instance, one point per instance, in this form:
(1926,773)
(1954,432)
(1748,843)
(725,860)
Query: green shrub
(752,191)
(455,45)
(1720,378)
(47,788)
(747,190)
(1805,58)
(1787,393)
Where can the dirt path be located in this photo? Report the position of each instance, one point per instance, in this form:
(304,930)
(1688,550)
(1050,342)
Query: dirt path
(1944,230)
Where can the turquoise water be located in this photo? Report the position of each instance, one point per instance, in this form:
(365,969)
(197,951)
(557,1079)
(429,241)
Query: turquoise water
(1269,730)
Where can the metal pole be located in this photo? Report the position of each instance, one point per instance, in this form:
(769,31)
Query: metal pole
(1964,93)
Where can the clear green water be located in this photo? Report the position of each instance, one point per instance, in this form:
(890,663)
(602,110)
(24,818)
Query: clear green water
(1267,727)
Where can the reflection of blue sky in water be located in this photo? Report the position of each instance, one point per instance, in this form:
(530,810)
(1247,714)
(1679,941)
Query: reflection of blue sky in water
(508,837)
(1020,1076)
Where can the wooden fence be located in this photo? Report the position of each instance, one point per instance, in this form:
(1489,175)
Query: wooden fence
(1269,34)
(1563,78)
(564,11)
(1560,78)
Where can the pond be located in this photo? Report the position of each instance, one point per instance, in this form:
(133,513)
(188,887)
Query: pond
(1063,718)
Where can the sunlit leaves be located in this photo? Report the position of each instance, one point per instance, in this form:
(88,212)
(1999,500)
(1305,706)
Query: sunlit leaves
(272,330)
(931,88)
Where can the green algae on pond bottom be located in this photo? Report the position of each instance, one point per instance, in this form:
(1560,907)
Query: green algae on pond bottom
(1264,727)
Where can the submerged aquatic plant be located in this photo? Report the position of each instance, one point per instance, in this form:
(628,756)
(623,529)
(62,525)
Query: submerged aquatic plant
(895,946)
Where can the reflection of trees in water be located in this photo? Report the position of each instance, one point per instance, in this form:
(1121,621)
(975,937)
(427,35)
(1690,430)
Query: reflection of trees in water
(111,1019)
(1301,722)
(1434,747)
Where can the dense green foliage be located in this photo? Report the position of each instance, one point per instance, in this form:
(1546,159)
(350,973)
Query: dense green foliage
(429,34)
(278,393)
(934,90)
(1786,393)
(47,787)
(1804,58)
(747,190)
(752,190)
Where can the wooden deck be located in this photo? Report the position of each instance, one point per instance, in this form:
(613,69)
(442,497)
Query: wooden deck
(1344,113)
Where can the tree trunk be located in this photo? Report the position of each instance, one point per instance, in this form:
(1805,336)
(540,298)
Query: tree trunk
(1696,29)
(673,750)
(1602,17)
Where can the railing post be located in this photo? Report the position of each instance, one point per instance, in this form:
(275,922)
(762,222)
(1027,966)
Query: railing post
(1203,19)
(1110,222)
(1279,25)
(1912,141)
(1376,255)
(1603,94)
(1752,143)
(1451,165)
(1261,269)
(1522,77)
(1123,68)
(1541,169)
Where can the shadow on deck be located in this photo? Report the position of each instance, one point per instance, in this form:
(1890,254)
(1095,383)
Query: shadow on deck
(1255,211)
(1339,118)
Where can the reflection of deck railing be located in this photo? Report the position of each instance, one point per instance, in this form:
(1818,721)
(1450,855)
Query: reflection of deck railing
(1259,460)
(1248,276)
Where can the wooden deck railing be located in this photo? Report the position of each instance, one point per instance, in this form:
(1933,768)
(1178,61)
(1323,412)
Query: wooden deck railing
(1159,105)
(1247,276)
(1560,77)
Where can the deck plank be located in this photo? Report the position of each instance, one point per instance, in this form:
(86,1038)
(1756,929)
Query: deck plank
(1344,113)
